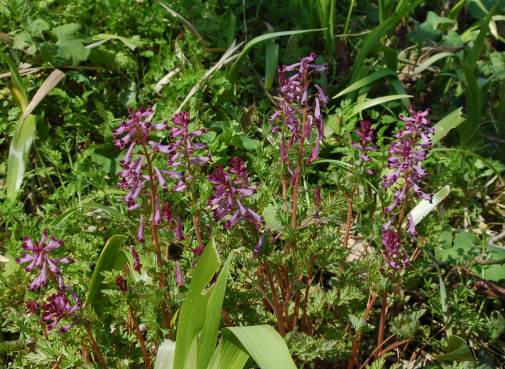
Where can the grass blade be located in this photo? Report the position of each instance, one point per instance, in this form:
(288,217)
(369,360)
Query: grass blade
(372,40)
(265,346)
(444,125)
(51,81)
(111,257)
(184,21)
(431,60)
(358,108)
(259,39)
(366,81)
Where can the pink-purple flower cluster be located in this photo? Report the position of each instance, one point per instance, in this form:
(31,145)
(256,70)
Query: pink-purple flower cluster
(57,307)
(405,155)
(366,139)
(230,187)
(300,107)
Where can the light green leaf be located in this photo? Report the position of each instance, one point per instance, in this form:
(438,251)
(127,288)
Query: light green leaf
(111,257)
(265,345)
(444,125)
(165,355)
(66,31)
(366,81)
(425,207)
(359,107)
(271,220)
(235,67)
(271,58)
(229,355)
(131,43)
(457,350)
(431,60)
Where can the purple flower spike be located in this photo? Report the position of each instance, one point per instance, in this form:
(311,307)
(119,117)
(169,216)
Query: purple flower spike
(230,187)
(182,151)
(366,138)
(396,257)
(300,106)
(39,259)
(58,308)
(406,154)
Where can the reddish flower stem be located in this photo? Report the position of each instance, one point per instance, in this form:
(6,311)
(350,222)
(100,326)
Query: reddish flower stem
(140,338)
(95,347)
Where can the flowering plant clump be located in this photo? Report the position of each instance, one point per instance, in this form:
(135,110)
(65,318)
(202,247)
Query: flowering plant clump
(57,307)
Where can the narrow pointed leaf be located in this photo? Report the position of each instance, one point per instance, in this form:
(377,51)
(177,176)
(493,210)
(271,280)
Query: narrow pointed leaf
(51,81)
(444,125)
(358,108)
(229,355)
(425,207)
(366,81)
(165,355)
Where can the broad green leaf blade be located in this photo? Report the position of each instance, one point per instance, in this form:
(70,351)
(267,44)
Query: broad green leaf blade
(51,81)
(229,354)
(165,355)
(110,257)
(444,125)
(235,67)
(358,108)
(425,207)
(457,350)
(208,340)
(366,81)
(193,312)
(265,346)
(431,60)
(271,58)
(373,39)
(18,155)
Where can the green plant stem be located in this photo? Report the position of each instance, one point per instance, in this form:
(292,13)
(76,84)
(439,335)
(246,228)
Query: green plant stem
(95,347)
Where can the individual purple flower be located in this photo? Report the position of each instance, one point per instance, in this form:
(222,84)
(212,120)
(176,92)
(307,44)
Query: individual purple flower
(136,259)
(260,244)
(140,231)
(39,258)
(122,284)
(58,308)
(405,155)
(230,187)
(299,108)
(32,306)
(366,139)
(395,255)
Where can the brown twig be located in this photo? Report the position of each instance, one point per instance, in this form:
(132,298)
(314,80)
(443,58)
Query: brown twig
(357,340)
(382,322)
(95,347)
(140,338)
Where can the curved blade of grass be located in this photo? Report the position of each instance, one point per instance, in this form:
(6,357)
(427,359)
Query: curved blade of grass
(425,207)
(444,125)
(229,355)
(184,21)
(374,37)
(18,88)
(400,90)
(431,60)
(109,258)
(165,355)
(51,81)
(259,39)
(366,81)
(358,108)
(265,346)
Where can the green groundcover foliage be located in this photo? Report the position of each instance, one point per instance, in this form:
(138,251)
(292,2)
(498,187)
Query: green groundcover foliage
(252,184)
